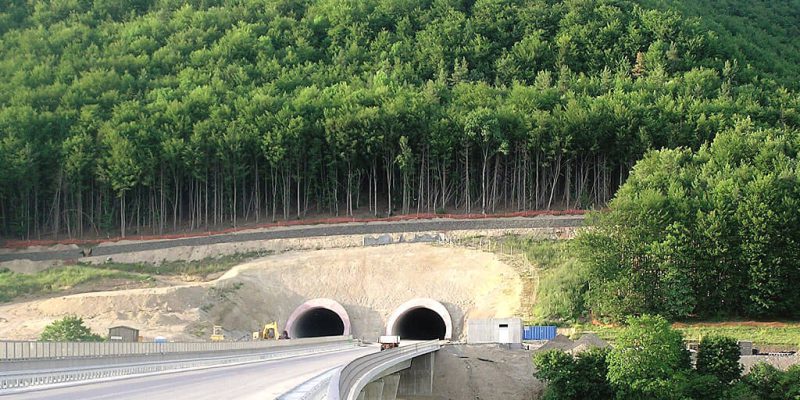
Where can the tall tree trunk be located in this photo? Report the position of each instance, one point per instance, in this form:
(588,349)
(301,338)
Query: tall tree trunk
(122,212)
(359,174)
(421,186)
(138,206)
(555,181)
(493,200)
(443,170)
(80,211)
(175,180)
(216,188)
(297,181)
(67,221)
(56,209)
(233,196)
(162,203)
(483,181)
(375,185)
(286,193)
(467,199)
(3,216)
(349,192)
(257,192)
(568,182)
(205,200)
(536,199)
(389,176)
(274,192)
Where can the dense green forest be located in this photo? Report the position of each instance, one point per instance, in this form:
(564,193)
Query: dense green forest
(712,233)
(161,115)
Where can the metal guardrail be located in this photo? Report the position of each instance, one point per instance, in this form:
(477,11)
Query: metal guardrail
(350,380)
(15,381)
(11,350)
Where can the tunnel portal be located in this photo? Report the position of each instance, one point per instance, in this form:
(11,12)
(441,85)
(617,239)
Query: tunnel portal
(420,324)
(318,317)
(420,319)
(318,322)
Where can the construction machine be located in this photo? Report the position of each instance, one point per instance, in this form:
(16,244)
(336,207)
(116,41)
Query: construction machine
(270,332)
(217,335)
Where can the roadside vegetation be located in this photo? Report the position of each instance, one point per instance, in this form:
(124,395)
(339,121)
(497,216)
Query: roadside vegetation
(14,285)
(779,334)
(693,235)
(563,281)
(69,329)
(649,361)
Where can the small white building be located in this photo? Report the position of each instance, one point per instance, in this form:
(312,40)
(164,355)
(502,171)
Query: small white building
(495,330)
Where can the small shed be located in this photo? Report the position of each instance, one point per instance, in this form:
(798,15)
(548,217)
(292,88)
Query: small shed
(123,334)
(495,330)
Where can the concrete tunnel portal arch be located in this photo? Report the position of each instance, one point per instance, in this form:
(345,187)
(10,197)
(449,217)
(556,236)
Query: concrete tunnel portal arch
(420,319)
(318,317)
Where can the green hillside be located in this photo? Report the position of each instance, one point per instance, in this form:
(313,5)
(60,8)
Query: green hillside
(762,33)
(154,116)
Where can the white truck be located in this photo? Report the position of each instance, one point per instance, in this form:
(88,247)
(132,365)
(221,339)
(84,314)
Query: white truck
(389,342)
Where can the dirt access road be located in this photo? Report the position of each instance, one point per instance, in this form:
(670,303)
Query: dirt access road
(363,228)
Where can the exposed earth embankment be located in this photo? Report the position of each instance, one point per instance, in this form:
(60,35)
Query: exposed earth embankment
(368,281)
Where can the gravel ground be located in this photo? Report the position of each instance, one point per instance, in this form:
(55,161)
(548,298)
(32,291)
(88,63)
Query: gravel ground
(308,231)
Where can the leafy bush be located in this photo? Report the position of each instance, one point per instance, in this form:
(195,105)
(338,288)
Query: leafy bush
(765,382)
(718,356)
(648,360)
(69,329)
(580,377)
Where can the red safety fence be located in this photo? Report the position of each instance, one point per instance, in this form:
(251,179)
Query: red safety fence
(20,244)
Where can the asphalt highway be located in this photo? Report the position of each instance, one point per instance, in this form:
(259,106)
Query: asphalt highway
(262,380)
(369,228)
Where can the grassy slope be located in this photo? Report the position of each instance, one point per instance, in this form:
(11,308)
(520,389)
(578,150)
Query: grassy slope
(56,280)
(14,285)
(198,269)
(784,334)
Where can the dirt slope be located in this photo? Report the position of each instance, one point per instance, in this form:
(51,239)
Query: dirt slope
(368,281)
(484,372)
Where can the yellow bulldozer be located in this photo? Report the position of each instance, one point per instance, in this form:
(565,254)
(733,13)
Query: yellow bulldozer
(270,332)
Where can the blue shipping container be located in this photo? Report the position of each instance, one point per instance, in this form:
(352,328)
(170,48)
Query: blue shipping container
(539,333)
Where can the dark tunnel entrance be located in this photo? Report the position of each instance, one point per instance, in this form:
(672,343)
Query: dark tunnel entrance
(420,324)
(317,322)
